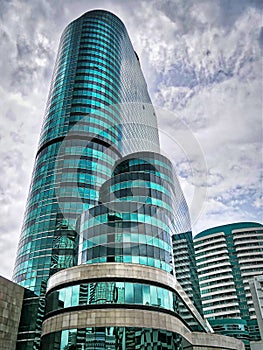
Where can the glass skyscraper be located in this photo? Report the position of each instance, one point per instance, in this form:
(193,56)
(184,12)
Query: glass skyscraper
(95,253)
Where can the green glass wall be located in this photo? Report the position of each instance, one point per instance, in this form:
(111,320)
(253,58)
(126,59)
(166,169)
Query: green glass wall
(100,190)
(81,138)
(134,221)
(112,338)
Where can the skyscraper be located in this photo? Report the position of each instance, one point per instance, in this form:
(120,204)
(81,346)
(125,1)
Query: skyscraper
(228,257)
(95,253)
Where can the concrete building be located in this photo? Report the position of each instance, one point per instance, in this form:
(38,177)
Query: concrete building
(227,258)
(256,287)
(11,301)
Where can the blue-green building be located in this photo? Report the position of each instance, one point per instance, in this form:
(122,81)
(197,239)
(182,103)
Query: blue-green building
(95,255)
(228,257)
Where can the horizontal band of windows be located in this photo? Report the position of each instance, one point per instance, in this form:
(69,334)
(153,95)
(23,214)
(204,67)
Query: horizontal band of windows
(79,137)
(41,230)
(79,196)
(150,238)
(88,53)
(88,41)
(102,37)
(102,29)
(133,165)
(92,45)
(125,175)
(96,78)
(102,159)
(137,188)
(99,57)
(143,230)
(87,93)
(105,131)
(130,218)
(78,147)
(63,185)
(110,35)
(99,23)
(38,245)
(127,208)
(43,168)
(74,126)
(41,187)
(28,224)
(99,64)
(92,131)
(136,194)
(82,84)
(72,39)
(106,19)
(61,93)
(78,201)
(94,72)
(102,113)
(65,59)
(97,129)
(108,293)
(93,75)
(134,259)
(66,54)
(142,250)
(65,72)
(147,178)
(94,50)
(94,102)
(151,179)
(69,35)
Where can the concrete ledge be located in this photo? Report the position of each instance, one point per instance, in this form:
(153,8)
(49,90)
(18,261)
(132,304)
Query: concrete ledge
(123,270)
(111,270)
(140,319)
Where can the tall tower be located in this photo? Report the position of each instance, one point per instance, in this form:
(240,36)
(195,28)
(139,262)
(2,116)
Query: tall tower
(228,257)
(91,120)
(95,253)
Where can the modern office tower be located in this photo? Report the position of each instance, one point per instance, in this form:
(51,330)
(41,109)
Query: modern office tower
(227,258)
(95,253)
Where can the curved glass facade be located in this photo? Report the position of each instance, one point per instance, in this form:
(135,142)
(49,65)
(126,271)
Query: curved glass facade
(121,293)
(101,192)
(134,221)
(93,103)
(111,338)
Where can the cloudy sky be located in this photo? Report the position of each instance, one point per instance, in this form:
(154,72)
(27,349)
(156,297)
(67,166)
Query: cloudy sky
(202,63)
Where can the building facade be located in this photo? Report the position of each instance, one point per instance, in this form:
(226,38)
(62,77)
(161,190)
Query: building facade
(227,258)
(185,267)
(95,254)
(256,287)
(11,301)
